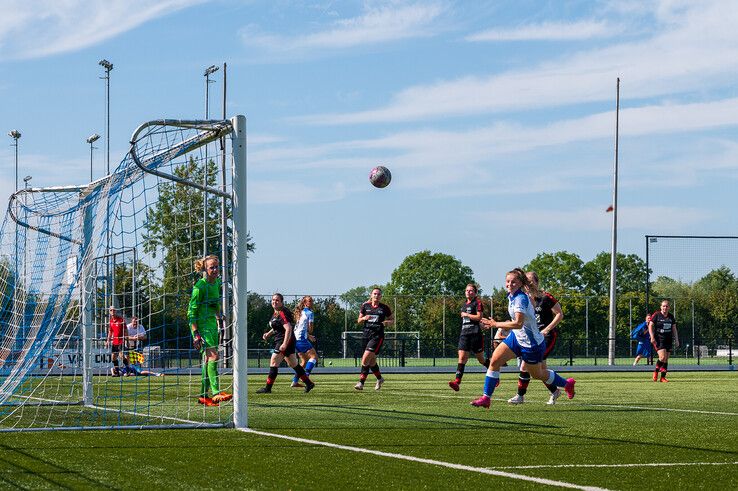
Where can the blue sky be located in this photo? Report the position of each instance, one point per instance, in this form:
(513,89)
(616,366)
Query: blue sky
(496,119)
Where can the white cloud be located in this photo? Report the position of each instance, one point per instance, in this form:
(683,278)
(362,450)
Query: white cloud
(549,31)
(47,27)
(382,24)
(694,52)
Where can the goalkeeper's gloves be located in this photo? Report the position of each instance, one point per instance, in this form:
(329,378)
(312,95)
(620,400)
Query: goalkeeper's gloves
(196,340)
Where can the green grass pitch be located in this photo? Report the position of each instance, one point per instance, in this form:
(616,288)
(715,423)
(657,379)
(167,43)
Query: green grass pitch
(622,431)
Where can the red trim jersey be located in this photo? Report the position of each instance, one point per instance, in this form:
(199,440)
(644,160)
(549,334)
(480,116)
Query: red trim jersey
(117,329)
(544,309)
(277,322)
(472,307)
(377,316)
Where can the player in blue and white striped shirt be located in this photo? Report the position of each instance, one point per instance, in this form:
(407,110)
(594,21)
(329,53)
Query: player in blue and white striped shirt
(525,341)
(304,337)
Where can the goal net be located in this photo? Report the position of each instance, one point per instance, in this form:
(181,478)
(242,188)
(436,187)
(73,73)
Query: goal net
(129,241)
(698,275)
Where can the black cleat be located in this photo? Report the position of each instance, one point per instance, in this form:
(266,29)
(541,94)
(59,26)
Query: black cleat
(309,384)
(264,390)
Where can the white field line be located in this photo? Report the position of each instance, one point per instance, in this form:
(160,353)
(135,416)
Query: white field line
(134,413)
(481,470)
(647,464)
(697,411)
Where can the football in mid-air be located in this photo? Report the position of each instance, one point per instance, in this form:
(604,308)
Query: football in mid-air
(380,176)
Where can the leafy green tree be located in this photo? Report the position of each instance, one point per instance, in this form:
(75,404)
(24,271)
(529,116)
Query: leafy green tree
(631,274)
(354,297)
(174,234)
(418,285)
(425,273)
(559,272)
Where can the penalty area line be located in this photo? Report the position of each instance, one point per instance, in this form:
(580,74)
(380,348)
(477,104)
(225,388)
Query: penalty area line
(645,464)
(410,458)
(669,409)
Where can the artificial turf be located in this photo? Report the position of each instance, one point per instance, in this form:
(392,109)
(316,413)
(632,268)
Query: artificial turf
(619,432)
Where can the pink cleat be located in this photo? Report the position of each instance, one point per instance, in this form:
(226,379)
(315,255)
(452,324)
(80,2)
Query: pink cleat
(569,388)
(483,401)
(454,385)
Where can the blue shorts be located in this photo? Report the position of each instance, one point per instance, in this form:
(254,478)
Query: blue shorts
(644,349)
(532,355)
(303,345)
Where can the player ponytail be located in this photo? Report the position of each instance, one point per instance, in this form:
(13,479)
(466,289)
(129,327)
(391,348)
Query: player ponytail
(301,305)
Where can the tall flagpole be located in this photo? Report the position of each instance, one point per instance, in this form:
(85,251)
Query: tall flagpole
(614,250)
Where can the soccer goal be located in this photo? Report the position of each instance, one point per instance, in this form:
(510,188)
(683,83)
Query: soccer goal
(129,241)
(394,343)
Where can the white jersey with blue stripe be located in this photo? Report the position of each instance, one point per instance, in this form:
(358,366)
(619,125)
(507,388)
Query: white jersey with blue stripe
(528,336)
(301,329)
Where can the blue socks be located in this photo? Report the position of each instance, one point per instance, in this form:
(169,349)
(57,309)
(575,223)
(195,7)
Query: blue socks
(308,369)
(555,379)
(490,382)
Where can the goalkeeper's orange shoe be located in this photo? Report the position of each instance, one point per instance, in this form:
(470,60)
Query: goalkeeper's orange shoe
(206,401)
(222,397)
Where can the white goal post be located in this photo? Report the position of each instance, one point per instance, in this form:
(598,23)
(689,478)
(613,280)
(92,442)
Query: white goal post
(71,256)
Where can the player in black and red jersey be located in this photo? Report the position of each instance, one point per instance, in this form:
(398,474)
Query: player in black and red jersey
(281,326)
(664,337)
(375,316)
(548,316)
(471,339)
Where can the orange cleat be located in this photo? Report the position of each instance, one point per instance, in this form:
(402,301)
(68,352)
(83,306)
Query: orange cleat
(222,397)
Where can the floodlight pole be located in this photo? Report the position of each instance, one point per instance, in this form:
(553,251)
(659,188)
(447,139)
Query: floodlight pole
(108,67)
(208,71)
(15,135)
(224,259)
(614,250)
(92,139)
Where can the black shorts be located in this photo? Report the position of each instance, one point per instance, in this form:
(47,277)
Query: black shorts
(550,338)
(664,341)
(472,342)
(116,348)
(290,350)
(373,341)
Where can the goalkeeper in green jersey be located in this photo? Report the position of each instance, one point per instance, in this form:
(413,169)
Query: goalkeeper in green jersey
(204,316)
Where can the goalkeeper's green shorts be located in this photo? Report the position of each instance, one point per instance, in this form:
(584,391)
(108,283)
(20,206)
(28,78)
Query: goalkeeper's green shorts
(209,334)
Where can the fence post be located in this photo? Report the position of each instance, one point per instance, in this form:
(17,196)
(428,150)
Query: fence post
(730,352)
(402,352)
(444,330)
(630,324)
(586,326)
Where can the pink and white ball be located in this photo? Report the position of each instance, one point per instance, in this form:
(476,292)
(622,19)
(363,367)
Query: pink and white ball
(380,176)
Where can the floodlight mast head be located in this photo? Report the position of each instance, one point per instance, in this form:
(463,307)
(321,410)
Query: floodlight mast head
(27,178)
(14,134)
(106,64)
(211,69)
(93,138)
